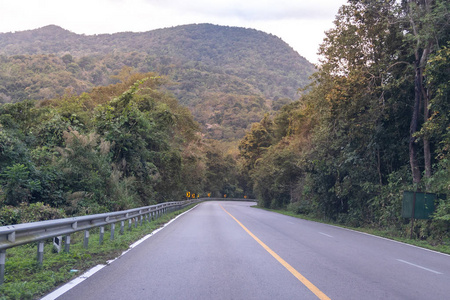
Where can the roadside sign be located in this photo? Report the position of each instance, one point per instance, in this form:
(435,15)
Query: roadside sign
(423,208)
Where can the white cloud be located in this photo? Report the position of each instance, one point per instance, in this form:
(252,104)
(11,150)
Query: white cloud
(256,9)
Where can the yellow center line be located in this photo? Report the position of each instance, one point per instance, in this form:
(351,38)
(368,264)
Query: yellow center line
(291,269)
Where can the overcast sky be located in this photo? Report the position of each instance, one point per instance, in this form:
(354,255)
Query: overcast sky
(300,23)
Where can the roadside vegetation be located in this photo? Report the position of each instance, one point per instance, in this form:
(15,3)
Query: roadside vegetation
(25,279)
(374,122)
(122,146)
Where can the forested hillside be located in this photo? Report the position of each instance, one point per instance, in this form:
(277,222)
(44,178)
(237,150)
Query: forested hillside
(228,76)
(122,146)
(376,122)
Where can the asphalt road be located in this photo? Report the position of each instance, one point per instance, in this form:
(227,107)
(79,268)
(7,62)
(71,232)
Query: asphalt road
(229,250)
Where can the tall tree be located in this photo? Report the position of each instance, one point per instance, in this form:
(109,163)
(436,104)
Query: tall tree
(427,21)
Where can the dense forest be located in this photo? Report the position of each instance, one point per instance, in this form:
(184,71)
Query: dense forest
(121,146)
(228,76)
(373,121)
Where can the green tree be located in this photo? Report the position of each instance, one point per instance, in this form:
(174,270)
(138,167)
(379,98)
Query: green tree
(221,171)
(428,27)
(276,175)
(86,166)
(256,142)
(437,127)
(18,184)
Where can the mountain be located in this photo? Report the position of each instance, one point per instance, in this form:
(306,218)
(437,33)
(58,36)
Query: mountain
(228,76)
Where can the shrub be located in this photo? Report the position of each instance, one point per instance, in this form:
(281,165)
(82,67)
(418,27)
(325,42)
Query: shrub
(26,213)
(18,185)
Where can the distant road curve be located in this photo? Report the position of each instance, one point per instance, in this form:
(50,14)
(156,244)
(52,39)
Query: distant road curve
(229,250)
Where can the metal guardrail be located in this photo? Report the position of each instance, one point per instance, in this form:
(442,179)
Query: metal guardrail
(20,234)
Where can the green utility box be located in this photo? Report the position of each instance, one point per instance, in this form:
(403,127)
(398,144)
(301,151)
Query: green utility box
(424,205)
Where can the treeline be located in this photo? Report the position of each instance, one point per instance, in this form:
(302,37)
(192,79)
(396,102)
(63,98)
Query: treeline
(375,122)
(121,146)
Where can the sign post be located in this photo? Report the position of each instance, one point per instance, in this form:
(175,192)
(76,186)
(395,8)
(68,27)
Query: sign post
(413,211)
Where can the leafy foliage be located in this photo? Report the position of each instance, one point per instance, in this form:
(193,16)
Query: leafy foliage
(342,151)
(122,146)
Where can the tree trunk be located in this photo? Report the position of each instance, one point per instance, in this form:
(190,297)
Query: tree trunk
(419,92)
(426,142)
(426,113)
(380,176)
(414,124)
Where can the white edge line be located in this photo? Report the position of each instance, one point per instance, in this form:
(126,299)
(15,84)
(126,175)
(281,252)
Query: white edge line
(383,238)
(325,234)
(380,237)
(73,283)
(68,286)
(420,267)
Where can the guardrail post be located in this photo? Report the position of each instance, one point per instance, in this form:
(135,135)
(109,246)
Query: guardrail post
(57,243)
(140,220)
(113,228)
(67,243)
(40,253)
(86,239)
(129,224)
(122,227)
(2,265)
(135,222)
(102,233)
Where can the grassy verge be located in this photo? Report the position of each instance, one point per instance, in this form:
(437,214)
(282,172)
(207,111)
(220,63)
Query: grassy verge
(445,248)
(25,279)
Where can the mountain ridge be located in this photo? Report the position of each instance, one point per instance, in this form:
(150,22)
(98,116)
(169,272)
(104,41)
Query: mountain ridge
(205,62)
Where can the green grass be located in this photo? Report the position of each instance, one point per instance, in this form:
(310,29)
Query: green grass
(25,279)
(389,234)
